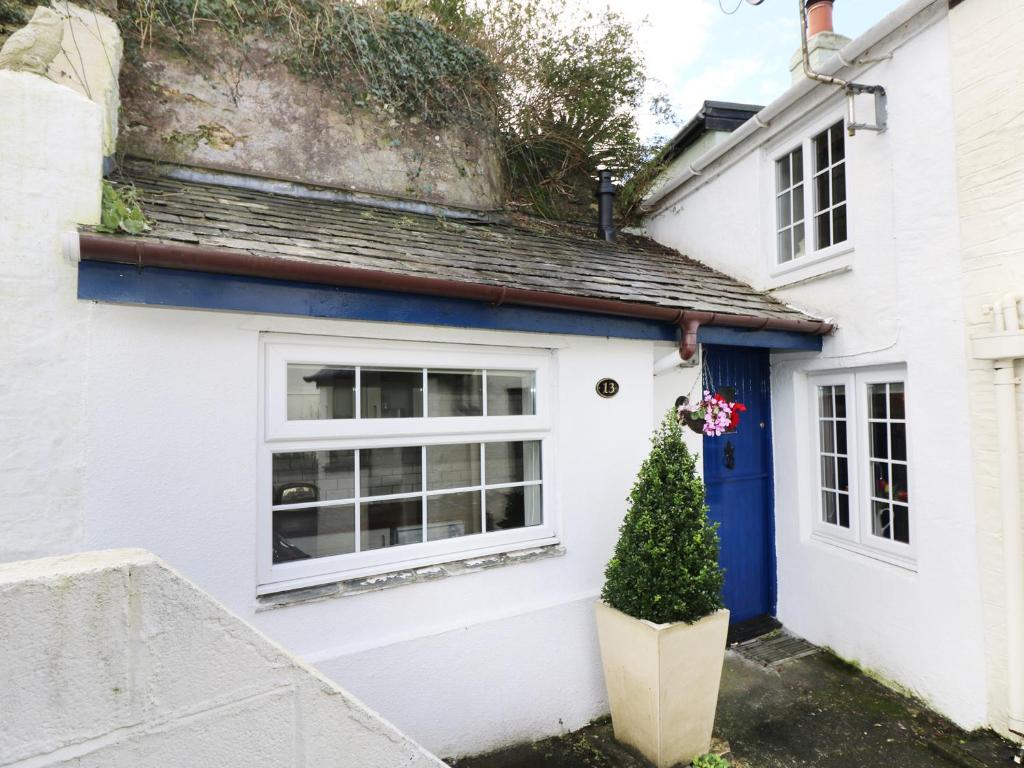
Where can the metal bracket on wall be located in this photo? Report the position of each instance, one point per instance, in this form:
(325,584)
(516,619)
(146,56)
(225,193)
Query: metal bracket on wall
(881,108)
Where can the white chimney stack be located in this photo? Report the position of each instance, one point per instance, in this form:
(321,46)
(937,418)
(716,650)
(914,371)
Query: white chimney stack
(822,41)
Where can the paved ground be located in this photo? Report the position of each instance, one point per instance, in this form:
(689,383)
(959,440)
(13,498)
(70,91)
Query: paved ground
(811,712)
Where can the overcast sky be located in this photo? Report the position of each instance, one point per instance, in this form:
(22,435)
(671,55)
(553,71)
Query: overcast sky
(695,51)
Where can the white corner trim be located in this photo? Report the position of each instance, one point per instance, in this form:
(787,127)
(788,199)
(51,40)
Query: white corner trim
(71,247)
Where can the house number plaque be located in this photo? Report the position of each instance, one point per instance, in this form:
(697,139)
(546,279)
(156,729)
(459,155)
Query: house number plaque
(607,387)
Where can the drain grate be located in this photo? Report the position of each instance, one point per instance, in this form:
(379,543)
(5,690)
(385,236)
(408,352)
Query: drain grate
(775,648)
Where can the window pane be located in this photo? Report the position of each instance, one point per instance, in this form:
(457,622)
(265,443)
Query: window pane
(306,476)
(901,523)
(384,471)
(513,507)
(784,246)
(512,462)
(899,441)
(876,401)
(783,209)
(821,152)
(828,472)
(782,176)
(308,532)
(452,515)
(829,512)
(838,141)
(828,436)
(824,234)
(798,241)
(455,393)
(453,466)
(391,393)
(881,519)
(511,393)
(839,184)
(897,404)
(821,193)
(321,392)
(798,165)
(880,480)
(840,401)
(841,436)
(844,510)
(900,489)
(798,203)
(825,401)
(390,523)
(839,224)
(844,474)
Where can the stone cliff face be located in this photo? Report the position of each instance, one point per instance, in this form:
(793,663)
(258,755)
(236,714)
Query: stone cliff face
(246,112)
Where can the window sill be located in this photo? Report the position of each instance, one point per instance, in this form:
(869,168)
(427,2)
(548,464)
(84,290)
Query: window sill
(859,549)
(831,261)
(405,576)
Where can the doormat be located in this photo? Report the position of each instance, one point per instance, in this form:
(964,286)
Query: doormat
(775,648)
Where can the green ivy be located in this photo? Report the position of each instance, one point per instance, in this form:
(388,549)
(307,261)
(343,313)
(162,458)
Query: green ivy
(665,567)
(120,211)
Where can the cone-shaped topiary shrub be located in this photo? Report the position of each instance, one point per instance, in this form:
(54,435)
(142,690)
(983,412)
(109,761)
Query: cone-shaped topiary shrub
(665,567)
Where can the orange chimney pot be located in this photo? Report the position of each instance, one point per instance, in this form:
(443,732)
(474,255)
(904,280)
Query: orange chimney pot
(819,17)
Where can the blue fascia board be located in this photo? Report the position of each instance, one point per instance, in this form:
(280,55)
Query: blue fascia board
(124,284)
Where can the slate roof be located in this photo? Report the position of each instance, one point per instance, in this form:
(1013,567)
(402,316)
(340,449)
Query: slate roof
(510,251)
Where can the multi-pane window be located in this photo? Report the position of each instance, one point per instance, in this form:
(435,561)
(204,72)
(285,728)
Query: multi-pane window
(829,185)
(887,439)
(379,456)
(834,459)
(789,205)
(862,488)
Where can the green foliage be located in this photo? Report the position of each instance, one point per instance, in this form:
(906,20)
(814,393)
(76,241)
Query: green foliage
(12,12)
(665,566)
(559,87)
(121,212)
(710,761)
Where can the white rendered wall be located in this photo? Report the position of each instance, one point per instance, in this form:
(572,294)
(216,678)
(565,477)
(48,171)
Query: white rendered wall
(896,298)
(988,99)
(112,659)
(172,445)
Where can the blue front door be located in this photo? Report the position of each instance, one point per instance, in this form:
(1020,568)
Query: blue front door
(738,480)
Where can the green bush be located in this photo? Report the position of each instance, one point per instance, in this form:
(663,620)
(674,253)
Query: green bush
(665,567)
(710,761)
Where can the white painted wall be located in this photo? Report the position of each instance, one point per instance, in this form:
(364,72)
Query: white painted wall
(895,295)
(988,94)
(119,661)
(174,471)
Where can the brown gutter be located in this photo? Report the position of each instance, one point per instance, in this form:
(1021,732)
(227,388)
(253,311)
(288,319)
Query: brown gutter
(143,253)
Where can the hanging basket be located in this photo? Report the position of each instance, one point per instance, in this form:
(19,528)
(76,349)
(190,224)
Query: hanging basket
(714,414)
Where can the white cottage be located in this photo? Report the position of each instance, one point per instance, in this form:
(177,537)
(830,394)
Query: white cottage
(397,436)
(878,191)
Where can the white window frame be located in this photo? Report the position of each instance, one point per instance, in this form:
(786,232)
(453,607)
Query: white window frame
(814,258)
(281,435)
(791,225)
(813,184)
(859,536)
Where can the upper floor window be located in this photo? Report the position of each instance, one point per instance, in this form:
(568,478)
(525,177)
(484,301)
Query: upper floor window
(789,205)
(830,186)
(822,161)
(862,477)
(394,456)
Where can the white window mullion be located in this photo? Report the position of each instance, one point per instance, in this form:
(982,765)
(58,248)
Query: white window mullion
(357,507)
(483,488)
(423,475)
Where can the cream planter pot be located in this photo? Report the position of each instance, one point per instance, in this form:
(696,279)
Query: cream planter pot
(662,682)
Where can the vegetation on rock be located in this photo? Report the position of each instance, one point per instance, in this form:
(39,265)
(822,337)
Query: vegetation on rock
(559,87)
(120,211)
(665,567)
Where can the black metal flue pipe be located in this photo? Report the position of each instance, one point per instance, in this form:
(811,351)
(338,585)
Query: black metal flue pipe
(605,206)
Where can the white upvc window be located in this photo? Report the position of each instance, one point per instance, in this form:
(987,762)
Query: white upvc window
(862,479)
(382,456)
(811,177)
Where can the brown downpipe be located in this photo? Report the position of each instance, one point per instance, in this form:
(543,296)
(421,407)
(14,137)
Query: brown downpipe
(142,253)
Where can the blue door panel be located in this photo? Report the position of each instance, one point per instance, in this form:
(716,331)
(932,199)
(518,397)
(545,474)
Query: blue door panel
(738,480)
